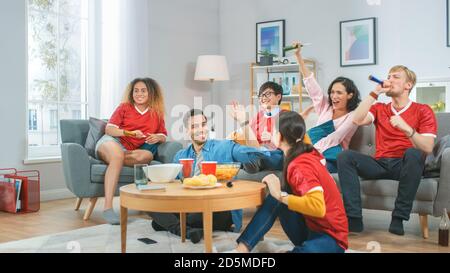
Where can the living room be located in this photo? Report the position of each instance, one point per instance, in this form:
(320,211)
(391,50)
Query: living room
(123,40)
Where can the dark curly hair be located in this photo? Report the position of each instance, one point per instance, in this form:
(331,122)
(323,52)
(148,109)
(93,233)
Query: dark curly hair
(350,88)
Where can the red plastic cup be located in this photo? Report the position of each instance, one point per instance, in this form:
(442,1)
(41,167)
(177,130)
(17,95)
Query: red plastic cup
(188,164)
(209,167)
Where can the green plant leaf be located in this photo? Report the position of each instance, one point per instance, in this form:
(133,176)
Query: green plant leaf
(267,53)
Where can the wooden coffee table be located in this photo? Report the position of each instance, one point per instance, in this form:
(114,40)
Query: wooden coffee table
(176,199)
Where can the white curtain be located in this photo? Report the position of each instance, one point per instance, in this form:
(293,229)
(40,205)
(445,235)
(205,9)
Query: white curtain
(124,49)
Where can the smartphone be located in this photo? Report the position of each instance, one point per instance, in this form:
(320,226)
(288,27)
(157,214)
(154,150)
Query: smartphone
(147,241)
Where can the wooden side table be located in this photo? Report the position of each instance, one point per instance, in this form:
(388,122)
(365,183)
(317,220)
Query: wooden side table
(176,199)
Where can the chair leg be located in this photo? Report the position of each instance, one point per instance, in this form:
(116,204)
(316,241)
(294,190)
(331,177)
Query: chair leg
(424,225)
(90,208)
(78,204)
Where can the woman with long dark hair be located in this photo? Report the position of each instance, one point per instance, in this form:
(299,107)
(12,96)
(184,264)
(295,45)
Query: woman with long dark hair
(335,112)
(311,210)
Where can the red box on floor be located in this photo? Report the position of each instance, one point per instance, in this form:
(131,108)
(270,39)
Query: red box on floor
(27,184)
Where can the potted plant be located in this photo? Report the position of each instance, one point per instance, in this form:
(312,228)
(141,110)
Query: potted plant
(266,57)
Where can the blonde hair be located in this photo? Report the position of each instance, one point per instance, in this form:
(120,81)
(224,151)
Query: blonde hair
(410,75)
(155,97)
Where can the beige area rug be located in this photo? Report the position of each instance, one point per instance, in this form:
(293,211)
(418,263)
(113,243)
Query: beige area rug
(106,239)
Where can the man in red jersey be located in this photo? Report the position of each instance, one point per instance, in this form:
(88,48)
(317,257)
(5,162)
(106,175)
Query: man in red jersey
(405,133)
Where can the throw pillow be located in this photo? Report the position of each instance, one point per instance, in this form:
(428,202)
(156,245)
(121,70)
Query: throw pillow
(96,131)
(321,131)
(433,160)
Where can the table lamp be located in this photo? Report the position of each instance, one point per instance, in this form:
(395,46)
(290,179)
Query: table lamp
(211,68)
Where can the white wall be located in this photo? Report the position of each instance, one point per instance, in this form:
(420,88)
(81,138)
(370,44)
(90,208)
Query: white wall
(179,31)
(13,94)
(410,32)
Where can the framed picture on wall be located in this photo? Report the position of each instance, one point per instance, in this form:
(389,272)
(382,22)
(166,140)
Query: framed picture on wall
(358,42)
(270,36)
(448,23)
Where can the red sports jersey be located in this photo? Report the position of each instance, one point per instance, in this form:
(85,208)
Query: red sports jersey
(264,123)
(390,141)
(308,172)
(128,117)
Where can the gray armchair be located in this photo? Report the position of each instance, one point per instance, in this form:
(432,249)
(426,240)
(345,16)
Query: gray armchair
(84,175)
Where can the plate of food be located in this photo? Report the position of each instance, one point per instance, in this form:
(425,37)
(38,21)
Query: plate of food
(217,185)
(201,182)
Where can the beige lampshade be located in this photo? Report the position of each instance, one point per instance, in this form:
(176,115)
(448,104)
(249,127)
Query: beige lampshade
(211,68)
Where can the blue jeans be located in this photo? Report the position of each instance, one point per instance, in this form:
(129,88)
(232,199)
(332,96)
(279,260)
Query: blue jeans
(332,166)
(272,160)
(293,224)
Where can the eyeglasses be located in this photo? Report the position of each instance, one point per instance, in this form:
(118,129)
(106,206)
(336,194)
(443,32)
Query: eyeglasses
(266,95)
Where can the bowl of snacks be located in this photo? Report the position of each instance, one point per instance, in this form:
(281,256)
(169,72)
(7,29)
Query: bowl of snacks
(227,171)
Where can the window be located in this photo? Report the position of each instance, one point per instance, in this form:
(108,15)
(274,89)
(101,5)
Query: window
(53,119)
(32,120)
(58,33)
(76,114)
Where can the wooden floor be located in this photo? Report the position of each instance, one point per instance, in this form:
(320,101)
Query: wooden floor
(59,216)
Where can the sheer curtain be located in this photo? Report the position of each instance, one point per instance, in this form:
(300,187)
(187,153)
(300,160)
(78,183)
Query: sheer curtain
(124,49)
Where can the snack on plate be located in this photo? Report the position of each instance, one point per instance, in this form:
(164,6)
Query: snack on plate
(201,180)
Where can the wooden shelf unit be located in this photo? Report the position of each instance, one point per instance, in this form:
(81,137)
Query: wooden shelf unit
(256,70)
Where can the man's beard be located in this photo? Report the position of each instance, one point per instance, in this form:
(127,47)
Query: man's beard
(199,142)
(392,94)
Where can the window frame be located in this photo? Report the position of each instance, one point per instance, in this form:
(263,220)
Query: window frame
(53,152)
(32,127)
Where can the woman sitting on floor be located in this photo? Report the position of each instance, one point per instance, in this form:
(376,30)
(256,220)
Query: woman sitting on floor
(312,214)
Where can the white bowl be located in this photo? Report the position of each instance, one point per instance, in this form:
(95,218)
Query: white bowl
(163,173)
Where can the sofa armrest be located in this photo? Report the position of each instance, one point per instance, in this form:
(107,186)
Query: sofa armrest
(167,150)
(443,193)
(76,168)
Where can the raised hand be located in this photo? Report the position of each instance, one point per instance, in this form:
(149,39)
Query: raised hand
(298,50)
(303,68)
(238,112)
(383,88)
